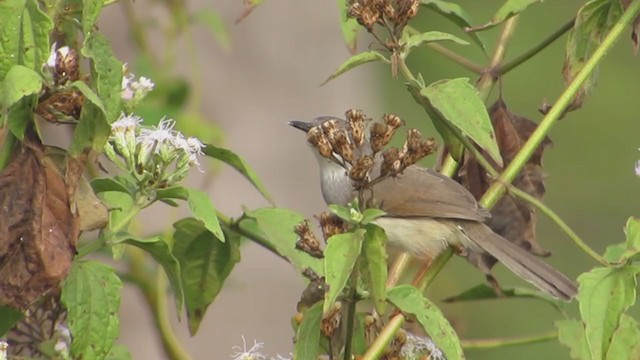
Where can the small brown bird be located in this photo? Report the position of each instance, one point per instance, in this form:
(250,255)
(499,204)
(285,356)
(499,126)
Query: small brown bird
(427,212)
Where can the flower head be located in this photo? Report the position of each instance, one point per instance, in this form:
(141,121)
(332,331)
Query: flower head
(253,353)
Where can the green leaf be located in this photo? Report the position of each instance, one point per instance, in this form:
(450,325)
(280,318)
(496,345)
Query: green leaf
(593,22)
(90,12)
(605,293)
(456,14)
(432,36)
(632,245)
(216,26)
(460,105)
(359,342)
(371,215)
(340,257)
(571,334)
(409,300)
(356,60)
(625,344)
(119,204)
(160,250)
(508,9)
(24,35)
(233,160)
(349,27)
(486,292)
(200,205)
(276,225)
(19,82)
(106,74)
(8,318)
(308,337)
(205,263)
(375,265)
(100,185)
(91,294)
(118,352)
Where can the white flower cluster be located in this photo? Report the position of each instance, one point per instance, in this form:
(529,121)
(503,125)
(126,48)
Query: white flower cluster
(155,156)
(416,347)
(134,91)
(253,353)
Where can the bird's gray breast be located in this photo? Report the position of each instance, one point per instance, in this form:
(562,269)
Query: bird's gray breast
(335,184)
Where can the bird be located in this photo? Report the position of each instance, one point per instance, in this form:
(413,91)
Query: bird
(427,212)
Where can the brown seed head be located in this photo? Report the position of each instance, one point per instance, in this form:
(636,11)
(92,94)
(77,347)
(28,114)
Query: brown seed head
(331,225)
(316,138)
(390,162)
(393,121)
(331,320)
(67,68)
(361,168)
(405,11)
(366,12)
(343,146)
(307,241)
(378,136)
(356,121)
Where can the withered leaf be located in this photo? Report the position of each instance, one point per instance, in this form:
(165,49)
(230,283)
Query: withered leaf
(511,217)
(635,27)
(38,232)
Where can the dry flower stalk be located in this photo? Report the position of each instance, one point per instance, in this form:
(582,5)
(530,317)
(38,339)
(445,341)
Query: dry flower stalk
(307,240)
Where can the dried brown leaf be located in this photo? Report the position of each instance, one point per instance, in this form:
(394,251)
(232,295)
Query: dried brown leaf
(38,232)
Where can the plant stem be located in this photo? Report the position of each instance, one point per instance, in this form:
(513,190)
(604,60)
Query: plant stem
(505,68)
(383,340)
(153,286)
(488,78)
(351,312)
(398,267)
(436,265)
(496,343)
(561,224)
(498,188)
(122,224)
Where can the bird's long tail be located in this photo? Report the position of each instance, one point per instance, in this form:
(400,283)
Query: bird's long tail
(521,262)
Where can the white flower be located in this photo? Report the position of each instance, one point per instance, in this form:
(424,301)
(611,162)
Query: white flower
(128,92)
(163,133)
(144,85)
(135,90)
(250,354)
(125,123)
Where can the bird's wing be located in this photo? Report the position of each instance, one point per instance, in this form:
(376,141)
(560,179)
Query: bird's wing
(421,192)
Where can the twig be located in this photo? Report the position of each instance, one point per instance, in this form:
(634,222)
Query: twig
(501,342)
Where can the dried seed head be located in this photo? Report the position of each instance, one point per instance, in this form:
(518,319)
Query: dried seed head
(390,162)
(366,12)
(415,148)
(342,145)
(331,225)
(331,320)
(356,121)
(313,293)
(389,12)
(361,168)
(307,241)
(310,274)
(66,66)
(378,136)
(320,142)
(397,343)
(393,121)
(405,11)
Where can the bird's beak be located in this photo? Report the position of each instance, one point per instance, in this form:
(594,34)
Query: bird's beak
(301,125)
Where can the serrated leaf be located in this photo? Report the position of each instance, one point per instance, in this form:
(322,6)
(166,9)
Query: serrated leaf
(205,263)
(432,36)
(20,81)
(571,334)
(307,344)
(216,26)
(625,344)
(24,35)
(349,27)
(200,205)
(508,9)
(356,60)
(340,257)
(486,292)
(236,162)
(460,105)
(276,225)
(8,318)
(375,265)
(106,74)
(409,300)
(91,294)
(605,293)
(456,14)
(90,12)
(160,250)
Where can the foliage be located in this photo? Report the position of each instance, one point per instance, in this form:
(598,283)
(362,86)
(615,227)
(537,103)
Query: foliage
(78,82)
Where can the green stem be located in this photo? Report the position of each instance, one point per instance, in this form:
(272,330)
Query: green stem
(488,79)
(505,68)
(437,265)
(561,224)
(377,349)
(498,188)
(351,313)
(496,343)
(122,224)
(153,287)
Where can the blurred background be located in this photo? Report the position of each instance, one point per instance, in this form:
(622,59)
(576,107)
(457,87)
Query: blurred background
(242,92)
